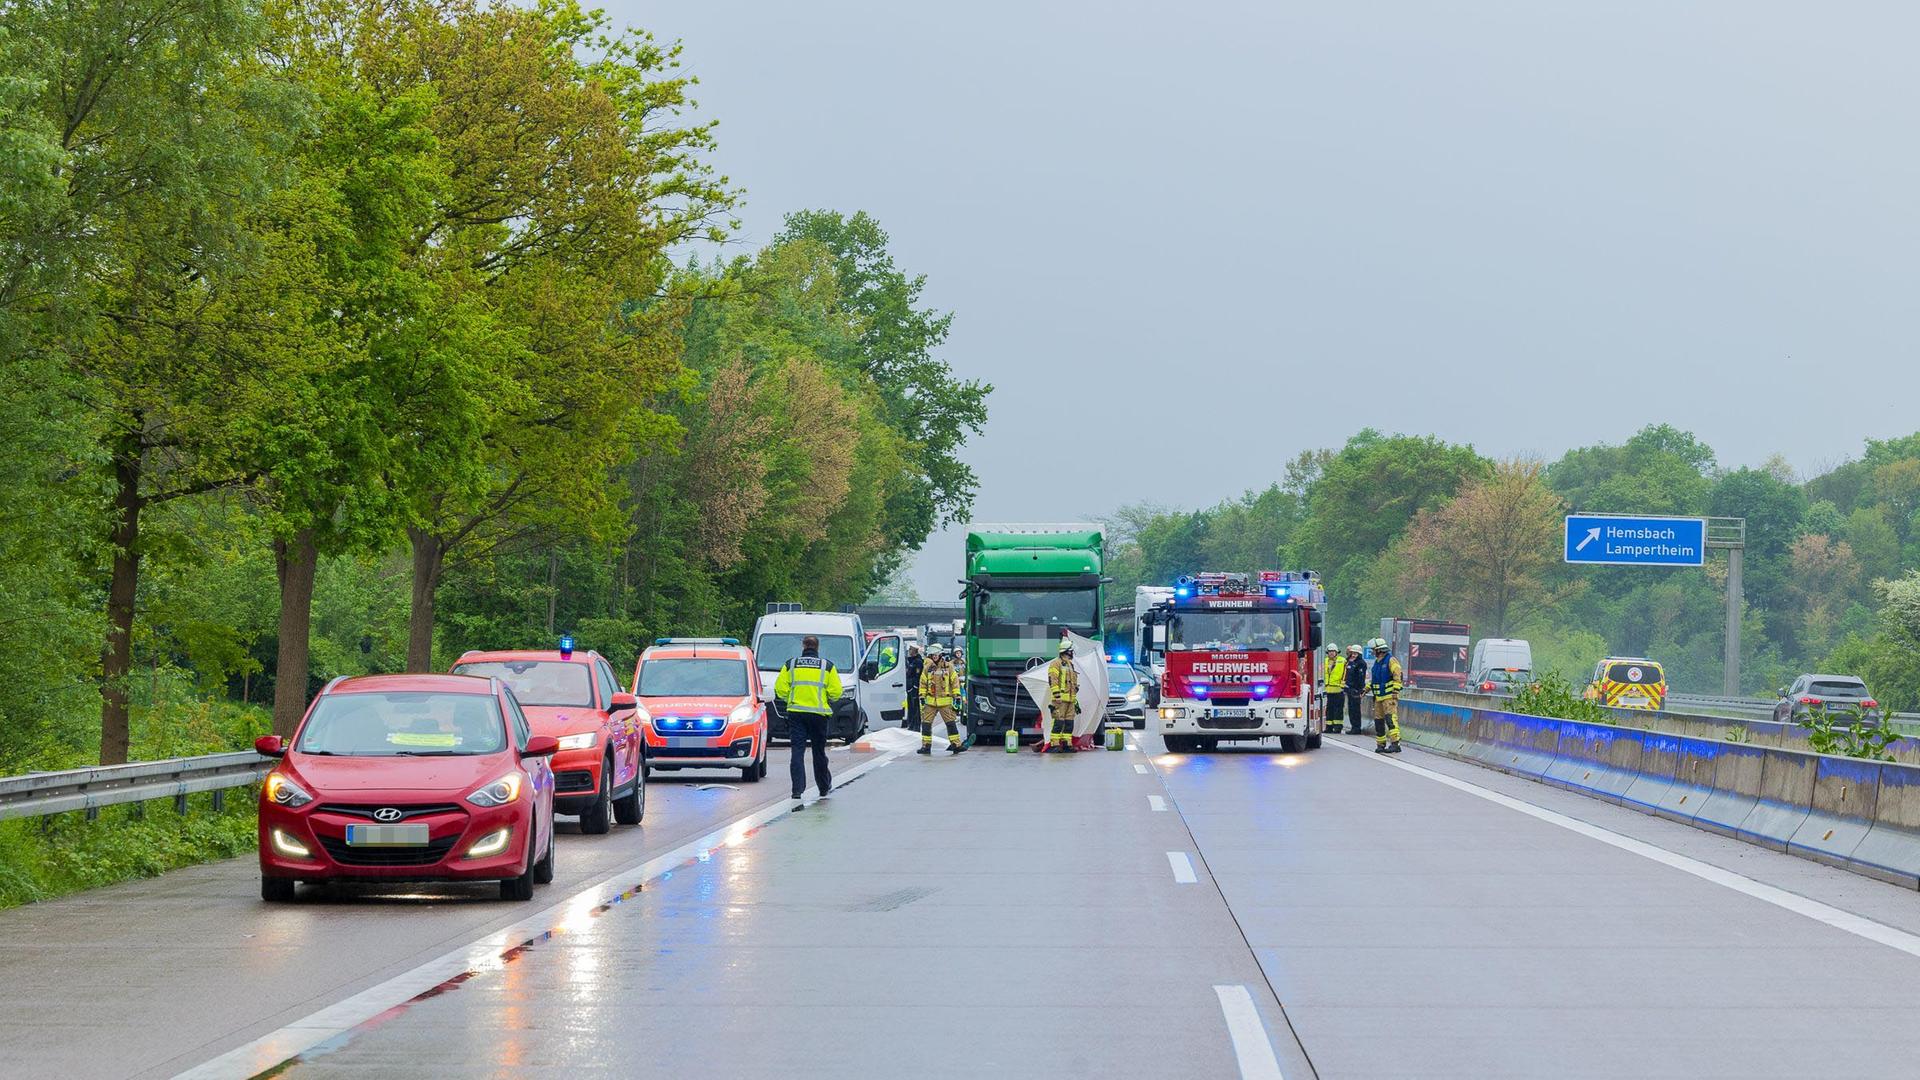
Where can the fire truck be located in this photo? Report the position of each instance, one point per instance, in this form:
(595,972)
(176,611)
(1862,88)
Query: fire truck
(1240,660)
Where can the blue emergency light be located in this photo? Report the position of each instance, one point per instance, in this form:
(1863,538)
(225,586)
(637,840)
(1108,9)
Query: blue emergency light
(566,646)
(1118,658)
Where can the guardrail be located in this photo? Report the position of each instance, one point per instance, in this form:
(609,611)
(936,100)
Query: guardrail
(40,794)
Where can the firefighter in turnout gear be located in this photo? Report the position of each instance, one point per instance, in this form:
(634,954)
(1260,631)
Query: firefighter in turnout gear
(1333,684)
(1386,699)
(1063,700)
(806,689)
(939,690)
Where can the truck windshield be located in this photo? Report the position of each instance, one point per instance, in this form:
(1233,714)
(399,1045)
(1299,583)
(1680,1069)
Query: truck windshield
(1247,631)
(1014,612)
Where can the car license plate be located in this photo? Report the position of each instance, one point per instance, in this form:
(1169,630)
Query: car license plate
(688,740)
(1228,714)
(387,835)
(1632,701)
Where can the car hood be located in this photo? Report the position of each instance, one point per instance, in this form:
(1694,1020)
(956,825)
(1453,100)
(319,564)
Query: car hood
(558,720)
(329,777)
(692,706)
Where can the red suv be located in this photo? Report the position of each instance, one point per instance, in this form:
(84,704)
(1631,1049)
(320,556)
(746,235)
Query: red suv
(600,771)
(700,704)
(408,778)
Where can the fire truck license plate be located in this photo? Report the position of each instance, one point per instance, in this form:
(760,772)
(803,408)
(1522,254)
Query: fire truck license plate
(1228,714)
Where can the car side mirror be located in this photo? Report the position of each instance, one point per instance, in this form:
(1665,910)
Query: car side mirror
(1782,691)
(540,746)
(869,671)
(622,703)
(270,746)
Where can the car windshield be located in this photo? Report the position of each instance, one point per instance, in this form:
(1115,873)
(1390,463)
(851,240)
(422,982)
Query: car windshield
(774,650)
(401,724)
(692,677)
(1120,677)
(1838,689)
(1502,675)
(1267,631)
(538,682)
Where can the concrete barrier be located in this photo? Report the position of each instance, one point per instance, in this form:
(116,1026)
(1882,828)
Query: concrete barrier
(1841,811)
(1860,815)
(1891,849)
(1736,788)
(1694,764)
(1786,791)
(1654,776)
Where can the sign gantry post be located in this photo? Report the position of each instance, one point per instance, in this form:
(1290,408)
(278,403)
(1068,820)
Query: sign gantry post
(1644,540)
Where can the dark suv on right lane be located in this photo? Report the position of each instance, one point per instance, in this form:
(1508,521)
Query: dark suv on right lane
(1844,697)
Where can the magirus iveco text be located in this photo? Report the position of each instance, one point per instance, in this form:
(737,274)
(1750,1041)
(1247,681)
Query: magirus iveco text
(1239,660)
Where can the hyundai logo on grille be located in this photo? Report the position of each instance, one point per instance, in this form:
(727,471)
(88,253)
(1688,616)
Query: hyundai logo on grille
(389,813)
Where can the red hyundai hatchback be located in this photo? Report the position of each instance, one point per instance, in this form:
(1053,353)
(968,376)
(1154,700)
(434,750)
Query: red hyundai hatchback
(408,778)
(600,771)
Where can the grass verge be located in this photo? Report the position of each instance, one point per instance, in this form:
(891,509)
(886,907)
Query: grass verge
(69,854)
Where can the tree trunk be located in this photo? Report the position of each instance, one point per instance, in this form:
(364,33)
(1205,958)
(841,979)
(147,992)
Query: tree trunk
(553,588)
(116,660)
(429,558)
(294,563)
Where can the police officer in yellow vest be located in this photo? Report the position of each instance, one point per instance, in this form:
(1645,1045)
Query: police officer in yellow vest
(1063,700)
(1333,682)
(939,689)
(806,689)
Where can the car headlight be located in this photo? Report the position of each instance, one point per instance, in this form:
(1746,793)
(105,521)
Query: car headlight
(1173,713)
(499,793)
(740,715)
(284,844)
(582,741)
(493,843)
(641,714)
(1136,696)
(284,792)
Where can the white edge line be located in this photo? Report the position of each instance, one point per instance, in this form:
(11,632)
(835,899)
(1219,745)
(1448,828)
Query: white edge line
(1251,1047)
(1182,868)
(1740,883)
(482,955)
(1157,803)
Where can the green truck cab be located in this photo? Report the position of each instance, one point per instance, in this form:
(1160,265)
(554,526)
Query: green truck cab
(1025,585)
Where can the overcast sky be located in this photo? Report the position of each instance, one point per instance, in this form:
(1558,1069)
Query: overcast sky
(1211,234)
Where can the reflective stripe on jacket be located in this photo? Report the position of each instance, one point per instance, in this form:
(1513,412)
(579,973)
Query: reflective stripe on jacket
(808,684)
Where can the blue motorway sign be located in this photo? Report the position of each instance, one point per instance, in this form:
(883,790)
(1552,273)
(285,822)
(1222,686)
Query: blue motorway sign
(1636,541)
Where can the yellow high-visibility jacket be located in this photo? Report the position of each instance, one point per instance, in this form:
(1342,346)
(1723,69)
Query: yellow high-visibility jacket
(1336,675)
(808,684)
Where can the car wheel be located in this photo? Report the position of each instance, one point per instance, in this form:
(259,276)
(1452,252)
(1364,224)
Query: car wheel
(1313,741)
(752,773)
(1176,744)
(598,820)
(543,870)
(628,808)
(277,890)
(520,888)
(1290,744)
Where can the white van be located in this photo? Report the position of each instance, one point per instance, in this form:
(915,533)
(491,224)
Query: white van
(1504,662)
(776,640)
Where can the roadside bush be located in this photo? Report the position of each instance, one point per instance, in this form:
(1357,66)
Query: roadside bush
(70,853)
(1865,739)
(1552,695)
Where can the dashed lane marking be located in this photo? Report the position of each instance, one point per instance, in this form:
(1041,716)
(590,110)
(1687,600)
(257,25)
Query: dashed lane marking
(1182,868)
(1139,768)
(1157,803)
(1251,1048)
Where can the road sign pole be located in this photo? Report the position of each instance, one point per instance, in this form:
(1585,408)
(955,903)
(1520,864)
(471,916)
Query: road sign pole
(1735,556)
